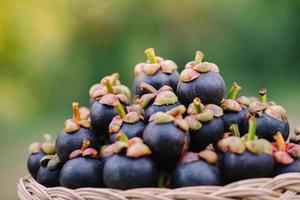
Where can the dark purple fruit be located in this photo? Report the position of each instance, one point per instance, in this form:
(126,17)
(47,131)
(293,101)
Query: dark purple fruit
(49,171)
(197,170)
(132,124)
(74,133)
(286,156)
(103,110)
(167,137)
(271,118)
(200,80)
(154,101)
(234,108)
(155,72)
(206,125)
(246,158)
(37,152)
(83,169)
(131,167)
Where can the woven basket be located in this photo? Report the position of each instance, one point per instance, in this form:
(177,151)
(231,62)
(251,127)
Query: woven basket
(282,187)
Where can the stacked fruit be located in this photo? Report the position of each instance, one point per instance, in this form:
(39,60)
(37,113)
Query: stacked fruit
(180,131)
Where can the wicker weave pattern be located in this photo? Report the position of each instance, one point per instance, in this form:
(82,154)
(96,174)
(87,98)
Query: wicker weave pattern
(282,187)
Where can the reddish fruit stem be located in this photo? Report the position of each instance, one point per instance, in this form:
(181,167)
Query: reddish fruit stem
(85,144)
(280,141)
(76,116)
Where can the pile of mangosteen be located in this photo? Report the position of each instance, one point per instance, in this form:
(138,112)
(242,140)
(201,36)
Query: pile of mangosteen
(178,130)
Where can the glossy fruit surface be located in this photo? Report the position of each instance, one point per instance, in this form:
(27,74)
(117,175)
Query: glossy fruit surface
(33,163)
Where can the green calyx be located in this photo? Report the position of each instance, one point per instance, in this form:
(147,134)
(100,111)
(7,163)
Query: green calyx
(235,89)
(231,105)
(209,156)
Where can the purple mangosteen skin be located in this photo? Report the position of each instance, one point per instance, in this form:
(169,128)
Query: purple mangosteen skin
(166,142)
(210,133)
(150,110)
(66,143)
(268,126)
(33,163)
(48,178)
(130,130)
(209,87)
(230,117)
(246,165)
(282,169)
(157,81)
(122,172)
(101,116)
(197,173)
(82,172)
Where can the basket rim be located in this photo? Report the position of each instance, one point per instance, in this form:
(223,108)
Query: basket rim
(284,186)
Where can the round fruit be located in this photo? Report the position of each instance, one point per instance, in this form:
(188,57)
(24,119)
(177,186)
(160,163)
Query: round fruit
(155,72)
(197,170)
(48,174)
(75,131)
(205,123)
(83,169)
(200,80)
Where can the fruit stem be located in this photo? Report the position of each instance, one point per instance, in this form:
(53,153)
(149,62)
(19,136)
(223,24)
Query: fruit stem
(235,89)
(150,53)
(252,128)
(280,141)
(108,86)
(199,57)
(197,103)
(47,138)
(85,144)
(120,110)
(234,129)
(115,77)
(76,116)
(148,88)
(263,95)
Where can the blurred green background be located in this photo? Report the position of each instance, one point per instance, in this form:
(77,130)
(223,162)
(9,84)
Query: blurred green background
(51,52)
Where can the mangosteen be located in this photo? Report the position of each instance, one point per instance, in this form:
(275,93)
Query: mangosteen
(161,100)
(234,108)
(130,165)
(286,156)
(103,109)
(48,174)
(205,123)
(75,131)
(200,80)
(156,72)
(246,157)
(37,152)
(197,169)
(271,118)
(131,123)
(84,169)
(167,136)
(99,89)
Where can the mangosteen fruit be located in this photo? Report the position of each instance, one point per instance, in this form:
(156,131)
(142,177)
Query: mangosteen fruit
(103,109)
(156,72)
(295,138)
(246,157)
(37,152)
(271,118)
(234,108)
(200,80)
(167,136)
(154,101)
(75,131)
(48,174)
(286,156)
(197,169)
(84,169)
(205,123)
(130,165)
(131,123)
